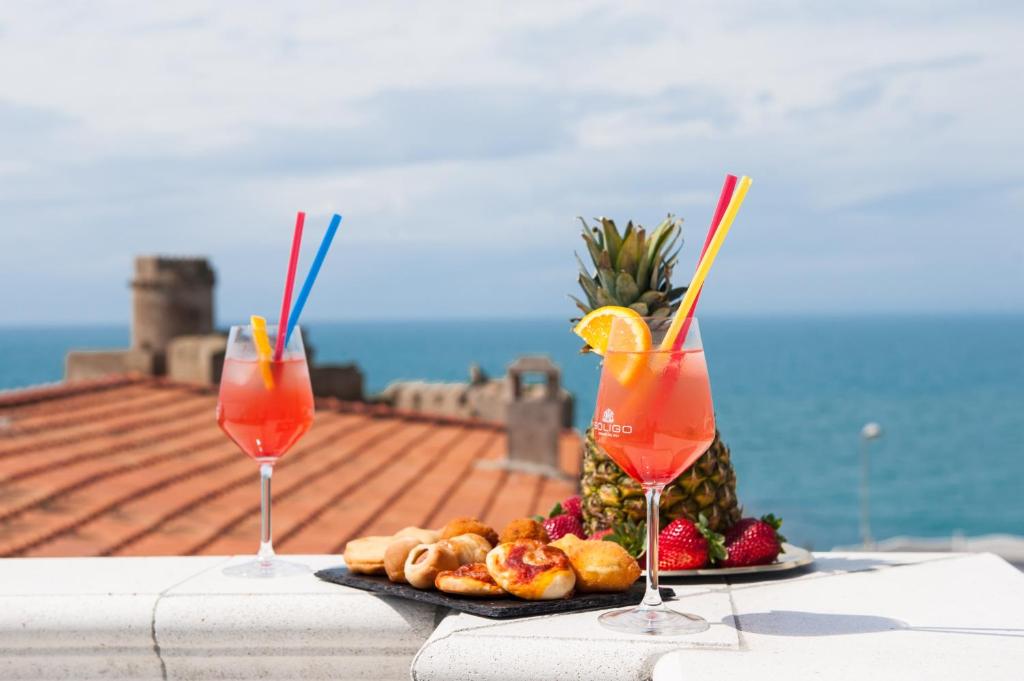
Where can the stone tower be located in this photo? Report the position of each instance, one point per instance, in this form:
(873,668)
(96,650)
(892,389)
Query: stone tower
(171,297)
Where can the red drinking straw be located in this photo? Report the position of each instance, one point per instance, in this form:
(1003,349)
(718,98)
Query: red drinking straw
(723,204)
(289,284)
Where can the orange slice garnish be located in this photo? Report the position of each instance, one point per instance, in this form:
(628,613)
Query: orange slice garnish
(631,337)
(263,350)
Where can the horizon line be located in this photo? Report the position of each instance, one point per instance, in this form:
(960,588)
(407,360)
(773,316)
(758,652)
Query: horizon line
(885,314)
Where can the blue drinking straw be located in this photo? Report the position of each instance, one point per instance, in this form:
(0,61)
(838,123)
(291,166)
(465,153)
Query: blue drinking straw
(314,270)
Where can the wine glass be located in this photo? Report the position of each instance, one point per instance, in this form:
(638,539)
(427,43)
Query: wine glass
(654,418)
(264,406)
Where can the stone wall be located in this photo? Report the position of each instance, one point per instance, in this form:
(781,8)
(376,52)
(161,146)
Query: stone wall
(173,334)
(534,414)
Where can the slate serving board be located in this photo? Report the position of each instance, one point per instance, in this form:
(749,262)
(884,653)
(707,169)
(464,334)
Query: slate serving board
(494,608)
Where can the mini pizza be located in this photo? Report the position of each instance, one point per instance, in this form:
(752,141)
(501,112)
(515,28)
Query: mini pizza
(531,570)
(472,579)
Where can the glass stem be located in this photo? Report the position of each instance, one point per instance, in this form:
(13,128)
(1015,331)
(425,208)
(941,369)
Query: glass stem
(266,553)
(652,597)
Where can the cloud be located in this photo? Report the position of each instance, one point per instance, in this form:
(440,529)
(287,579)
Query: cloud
(462,140)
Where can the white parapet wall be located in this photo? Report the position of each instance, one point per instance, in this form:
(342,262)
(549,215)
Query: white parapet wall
(850,616)
(180,618)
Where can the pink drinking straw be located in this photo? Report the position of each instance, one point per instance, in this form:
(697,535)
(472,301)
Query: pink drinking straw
(723,204)
(289,284)
(668,378)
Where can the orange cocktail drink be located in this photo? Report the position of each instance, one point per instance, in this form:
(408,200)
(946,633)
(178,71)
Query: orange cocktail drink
(654,418)
(265,405)
(654,412)
(265,422)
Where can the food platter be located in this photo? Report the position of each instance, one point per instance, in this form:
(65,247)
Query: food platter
(791,558)
(497,608)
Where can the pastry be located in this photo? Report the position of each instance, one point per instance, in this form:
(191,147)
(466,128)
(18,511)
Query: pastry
(532,570)
(466,525)
(425,536)
(567,542)
(425,561)
(395,555)
(472,579)
(524,528)
(469,548)
(366,555)
(600,565)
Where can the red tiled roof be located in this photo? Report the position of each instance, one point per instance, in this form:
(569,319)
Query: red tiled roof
(138,466)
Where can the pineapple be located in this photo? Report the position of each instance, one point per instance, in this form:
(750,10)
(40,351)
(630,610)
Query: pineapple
(634,270)
(611,497)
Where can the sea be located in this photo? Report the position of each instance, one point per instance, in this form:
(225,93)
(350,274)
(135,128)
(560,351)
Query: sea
(791,396)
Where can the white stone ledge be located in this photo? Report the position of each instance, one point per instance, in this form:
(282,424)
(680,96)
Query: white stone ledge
(855,616)
(837,622)
(570,646)
(181,618)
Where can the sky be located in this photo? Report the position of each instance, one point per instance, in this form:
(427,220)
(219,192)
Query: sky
(461,140)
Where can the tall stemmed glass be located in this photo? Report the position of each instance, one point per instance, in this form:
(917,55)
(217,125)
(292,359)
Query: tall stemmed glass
(655,418)
(265,406)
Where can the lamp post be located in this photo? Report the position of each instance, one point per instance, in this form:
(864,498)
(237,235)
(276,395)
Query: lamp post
(870,431)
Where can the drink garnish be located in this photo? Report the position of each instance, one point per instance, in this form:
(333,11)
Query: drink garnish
(632,338)
(263,350)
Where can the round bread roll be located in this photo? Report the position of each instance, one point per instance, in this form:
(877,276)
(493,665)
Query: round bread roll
(467,525)
(601,566)
(365,555)
(425,561)
(395,555)
(567,542)
(524,528)
(469,548)
(425,536)
(469,580)
(531,570)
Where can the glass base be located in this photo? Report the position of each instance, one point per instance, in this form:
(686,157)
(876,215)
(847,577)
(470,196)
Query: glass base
(654,621)
(267,569)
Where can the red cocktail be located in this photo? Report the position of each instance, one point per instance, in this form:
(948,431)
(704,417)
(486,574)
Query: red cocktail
(655,418)
(657,424)
(264,422)
(265,406)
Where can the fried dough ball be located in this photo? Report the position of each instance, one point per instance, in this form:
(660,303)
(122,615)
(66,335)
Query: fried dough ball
(524,528)
(467,525)
(600,565)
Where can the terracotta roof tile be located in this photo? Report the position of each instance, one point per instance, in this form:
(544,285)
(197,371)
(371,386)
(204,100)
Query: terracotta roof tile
(138,466)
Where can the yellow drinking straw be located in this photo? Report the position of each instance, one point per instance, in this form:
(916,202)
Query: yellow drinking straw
(263,349)
(705,263)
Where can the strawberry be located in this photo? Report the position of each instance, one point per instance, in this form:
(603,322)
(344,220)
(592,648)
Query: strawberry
(573,506)
(753,541)
(560,525)
(685,545)
(600,534)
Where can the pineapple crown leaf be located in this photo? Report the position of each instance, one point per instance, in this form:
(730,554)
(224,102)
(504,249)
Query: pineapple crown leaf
(579,303)
(612,238)
(631,268)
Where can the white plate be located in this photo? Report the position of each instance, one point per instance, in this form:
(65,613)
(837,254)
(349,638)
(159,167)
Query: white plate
(791,558)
